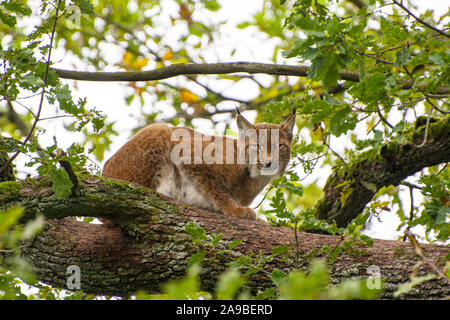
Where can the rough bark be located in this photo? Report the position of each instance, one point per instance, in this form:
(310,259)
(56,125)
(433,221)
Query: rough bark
(8,175)
(351,187)
(151,245)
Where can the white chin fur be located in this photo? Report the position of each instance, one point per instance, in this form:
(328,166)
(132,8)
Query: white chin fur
(256,172)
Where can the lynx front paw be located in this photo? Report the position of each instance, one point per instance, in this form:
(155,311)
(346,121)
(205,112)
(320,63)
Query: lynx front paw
(242,212)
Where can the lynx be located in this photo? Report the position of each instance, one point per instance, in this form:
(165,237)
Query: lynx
(213,173)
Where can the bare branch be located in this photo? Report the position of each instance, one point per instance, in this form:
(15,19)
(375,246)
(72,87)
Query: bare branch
(426,24)
(218,68)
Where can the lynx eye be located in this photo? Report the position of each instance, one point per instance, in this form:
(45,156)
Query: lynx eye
(283,146)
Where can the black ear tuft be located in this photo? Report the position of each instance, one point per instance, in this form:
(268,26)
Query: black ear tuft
(294,111)
(237,110)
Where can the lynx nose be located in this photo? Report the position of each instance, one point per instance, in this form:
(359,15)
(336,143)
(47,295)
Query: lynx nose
(267,163)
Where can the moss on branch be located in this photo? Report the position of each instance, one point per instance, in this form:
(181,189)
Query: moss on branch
(351,187)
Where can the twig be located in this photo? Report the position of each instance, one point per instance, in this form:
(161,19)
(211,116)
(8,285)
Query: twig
(426,24)
(410,185)
(297,252)
(383,118)
(334,152)
(407,44)
(443,168)
(419,252)
(57,117)
(36,119)
(426,128)
(373,57)
(265,195)
(15,119)
(341,240)
(435,107)
(411,211)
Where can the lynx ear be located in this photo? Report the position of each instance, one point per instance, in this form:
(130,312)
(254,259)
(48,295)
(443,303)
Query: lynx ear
(243,123)
(288,125)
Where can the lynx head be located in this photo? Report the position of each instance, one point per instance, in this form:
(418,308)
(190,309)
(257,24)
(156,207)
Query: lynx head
(265,148)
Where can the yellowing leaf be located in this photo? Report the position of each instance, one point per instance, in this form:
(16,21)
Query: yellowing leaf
(140,90)
(126,59)
(298,86)
(316,85)
(271,93)
(139,63)
(370,124)
(317,132)
(187,96)
(345,194)
(129,60)
(168,55)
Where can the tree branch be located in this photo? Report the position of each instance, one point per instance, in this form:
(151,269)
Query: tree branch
(218,68)
(426,24)
(374,169)
(151,246)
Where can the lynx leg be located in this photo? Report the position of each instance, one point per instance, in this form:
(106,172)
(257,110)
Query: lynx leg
(212,193)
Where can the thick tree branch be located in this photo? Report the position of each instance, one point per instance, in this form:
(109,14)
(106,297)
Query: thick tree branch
(358,182)
(217,68)
(151,246)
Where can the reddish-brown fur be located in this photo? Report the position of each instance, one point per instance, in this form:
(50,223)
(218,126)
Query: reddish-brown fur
(228,188)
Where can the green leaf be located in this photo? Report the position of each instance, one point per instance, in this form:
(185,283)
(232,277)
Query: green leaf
(61,184)
(52,76)
(196,258)
(9,218)
(17,7)
(85,6)
(436,58)
(7,19)
(229,283)
(98,122)
(276,251)
(234,243)
(64,97)
(212,5)
(334,254)
(33,227)
(342,121)
(277,276)
(216,238)
(197,233)
(292,188)
(402,57)
(185,288)
(406,287)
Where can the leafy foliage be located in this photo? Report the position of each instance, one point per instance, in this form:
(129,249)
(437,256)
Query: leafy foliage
(398,65)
